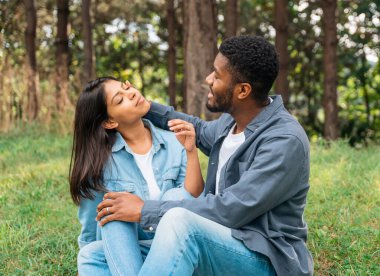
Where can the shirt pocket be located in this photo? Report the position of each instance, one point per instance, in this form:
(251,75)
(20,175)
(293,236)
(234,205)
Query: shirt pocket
(120,186)
(169,179)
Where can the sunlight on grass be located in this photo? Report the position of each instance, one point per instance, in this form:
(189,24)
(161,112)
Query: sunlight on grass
(39,227)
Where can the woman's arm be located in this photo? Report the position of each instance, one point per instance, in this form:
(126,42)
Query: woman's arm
(185,134)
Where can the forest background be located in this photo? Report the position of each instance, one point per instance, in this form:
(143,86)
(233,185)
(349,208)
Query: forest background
(329,79)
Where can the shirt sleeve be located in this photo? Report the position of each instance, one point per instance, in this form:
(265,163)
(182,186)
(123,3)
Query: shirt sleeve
(86,215)
(279,164)
(159,115)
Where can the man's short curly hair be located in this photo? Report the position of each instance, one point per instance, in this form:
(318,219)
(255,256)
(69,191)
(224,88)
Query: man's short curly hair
(251,59)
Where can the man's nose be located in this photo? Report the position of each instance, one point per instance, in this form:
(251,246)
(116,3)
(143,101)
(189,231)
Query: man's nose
(210,79)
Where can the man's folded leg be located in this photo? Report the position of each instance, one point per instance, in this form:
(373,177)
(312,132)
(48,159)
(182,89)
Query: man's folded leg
(188,244)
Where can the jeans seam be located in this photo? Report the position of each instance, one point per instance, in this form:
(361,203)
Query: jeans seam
(105,245)
(234,251)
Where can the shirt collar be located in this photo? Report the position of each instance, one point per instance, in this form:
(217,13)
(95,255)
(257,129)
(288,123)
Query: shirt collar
(266,113)
(158,141)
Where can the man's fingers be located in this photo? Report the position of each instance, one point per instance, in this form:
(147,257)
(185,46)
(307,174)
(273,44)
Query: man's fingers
(107,219)
(104,204)
(111,195)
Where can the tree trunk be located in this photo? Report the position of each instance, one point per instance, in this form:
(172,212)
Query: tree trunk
(170,15)
(62,55)
(88,72)
(330,97)
(231,18)
(200,51)
(31,63)
(281,25)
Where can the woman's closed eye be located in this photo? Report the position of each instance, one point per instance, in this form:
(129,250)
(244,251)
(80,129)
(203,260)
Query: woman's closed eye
(120,100)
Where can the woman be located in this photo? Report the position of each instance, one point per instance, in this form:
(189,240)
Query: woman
(114,149)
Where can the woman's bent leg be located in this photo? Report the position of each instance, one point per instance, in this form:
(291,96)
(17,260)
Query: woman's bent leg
(91,260)
(121,247)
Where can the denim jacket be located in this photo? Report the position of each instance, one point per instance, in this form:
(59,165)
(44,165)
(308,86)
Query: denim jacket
(121,173)
(263,185)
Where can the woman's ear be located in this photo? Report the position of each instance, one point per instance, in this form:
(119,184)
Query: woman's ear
(110,124)
(245,90)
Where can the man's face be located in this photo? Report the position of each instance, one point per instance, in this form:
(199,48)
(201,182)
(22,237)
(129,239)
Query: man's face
(221,86)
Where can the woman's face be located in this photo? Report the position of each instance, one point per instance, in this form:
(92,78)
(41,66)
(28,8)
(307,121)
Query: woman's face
(125,104)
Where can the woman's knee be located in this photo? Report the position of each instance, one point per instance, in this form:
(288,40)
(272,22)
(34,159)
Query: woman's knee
(91,252)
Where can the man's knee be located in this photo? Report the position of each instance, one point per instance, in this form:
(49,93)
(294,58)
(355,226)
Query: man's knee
(177,220)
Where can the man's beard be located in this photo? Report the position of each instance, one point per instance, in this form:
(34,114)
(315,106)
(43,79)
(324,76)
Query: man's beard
(221,103)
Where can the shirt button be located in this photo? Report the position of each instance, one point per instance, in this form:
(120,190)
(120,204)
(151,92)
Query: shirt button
(151,228)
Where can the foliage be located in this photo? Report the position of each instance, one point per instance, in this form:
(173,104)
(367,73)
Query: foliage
(39,227)
(130,42)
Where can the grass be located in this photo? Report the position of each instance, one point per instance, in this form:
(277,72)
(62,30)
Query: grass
(38,224)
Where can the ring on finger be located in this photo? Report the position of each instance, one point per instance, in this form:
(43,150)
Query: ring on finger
(108,210)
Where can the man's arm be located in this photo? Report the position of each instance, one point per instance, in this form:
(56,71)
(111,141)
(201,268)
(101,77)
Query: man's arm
(205,132)
(279,165)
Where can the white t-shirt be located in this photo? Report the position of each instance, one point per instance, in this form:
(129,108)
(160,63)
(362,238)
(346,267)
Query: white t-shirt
(144,162)
(229,146)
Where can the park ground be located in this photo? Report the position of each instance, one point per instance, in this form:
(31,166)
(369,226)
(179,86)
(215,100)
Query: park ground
(39,226)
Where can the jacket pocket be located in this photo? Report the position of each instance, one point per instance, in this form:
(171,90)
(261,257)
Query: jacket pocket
(120,186)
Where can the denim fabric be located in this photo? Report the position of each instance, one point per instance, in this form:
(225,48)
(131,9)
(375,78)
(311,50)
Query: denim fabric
(122,174)
(123,247)
(263,186)
(185,244)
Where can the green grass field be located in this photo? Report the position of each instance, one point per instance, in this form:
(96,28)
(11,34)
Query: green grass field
(38,224)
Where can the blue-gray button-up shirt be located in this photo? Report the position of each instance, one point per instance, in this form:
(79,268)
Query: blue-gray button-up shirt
(263,186)
(122,174)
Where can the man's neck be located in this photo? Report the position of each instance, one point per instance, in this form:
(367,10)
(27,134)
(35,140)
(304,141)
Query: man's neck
(245,113)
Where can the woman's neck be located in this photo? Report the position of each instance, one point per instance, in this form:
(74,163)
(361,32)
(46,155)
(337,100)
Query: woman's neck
(138,137)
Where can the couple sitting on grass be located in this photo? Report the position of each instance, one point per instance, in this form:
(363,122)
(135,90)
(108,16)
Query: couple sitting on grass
(143,204)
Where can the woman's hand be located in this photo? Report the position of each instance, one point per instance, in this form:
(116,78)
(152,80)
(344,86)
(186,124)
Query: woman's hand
(184,132)
(120,206)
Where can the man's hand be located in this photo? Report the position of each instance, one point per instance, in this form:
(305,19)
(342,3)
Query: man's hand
(121,206)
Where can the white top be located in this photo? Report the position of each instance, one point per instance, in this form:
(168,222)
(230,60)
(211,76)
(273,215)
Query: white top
(229,146)
(144,162)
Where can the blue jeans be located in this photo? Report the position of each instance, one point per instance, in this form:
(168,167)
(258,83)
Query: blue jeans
(123,247)
(188,244)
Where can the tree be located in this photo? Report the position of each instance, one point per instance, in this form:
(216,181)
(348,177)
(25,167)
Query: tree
(281,25)
(31,63)
(170,15)
(231,18)
(330,96)
(200,51)
(88,72)
(62,55)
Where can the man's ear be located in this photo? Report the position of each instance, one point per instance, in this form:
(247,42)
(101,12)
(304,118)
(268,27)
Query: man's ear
(245,89)
(110,124)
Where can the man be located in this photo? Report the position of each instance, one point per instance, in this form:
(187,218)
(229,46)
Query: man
(250,219)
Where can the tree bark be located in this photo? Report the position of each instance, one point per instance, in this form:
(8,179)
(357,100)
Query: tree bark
(31,63)
(62,55)
(200,51)
(281,24)
(231,18)
(172,68)
(330,97)
(88,72)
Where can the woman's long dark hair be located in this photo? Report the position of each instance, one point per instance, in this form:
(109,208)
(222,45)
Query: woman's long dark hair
(92,143)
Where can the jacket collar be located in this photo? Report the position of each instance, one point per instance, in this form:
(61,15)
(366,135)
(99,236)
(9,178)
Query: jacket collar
(158,141)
